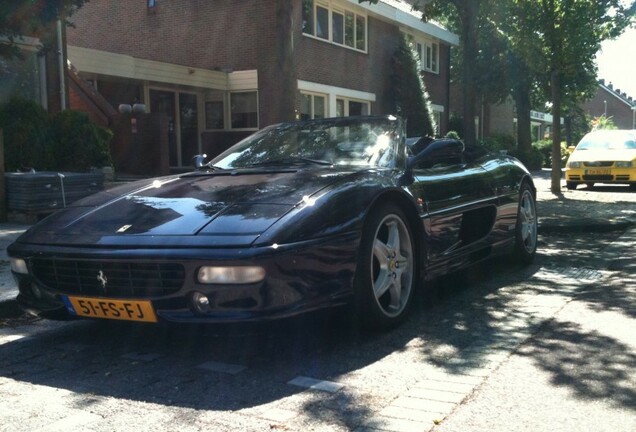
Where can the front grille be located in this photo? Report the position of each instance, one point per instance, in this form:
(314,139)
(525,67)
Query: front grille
(122,279)
(598,164)
(598,177)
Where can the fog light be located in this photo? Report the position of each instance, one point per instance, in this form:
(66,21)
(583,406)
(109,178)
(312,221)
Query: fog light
(231,275)
(19,266)
(200,302)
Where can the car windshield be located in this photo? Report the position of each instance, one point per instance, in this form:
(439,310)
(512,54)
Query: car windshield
(361,141)
(610,140)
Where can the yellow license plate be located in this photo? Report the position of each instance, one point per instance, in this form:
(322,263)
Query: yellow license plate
(598,172)
(127,310)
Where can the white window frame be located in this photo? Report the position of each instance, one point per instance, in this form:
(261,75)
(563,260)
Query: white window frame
(347,101)
(334,7)
(334,93)
(427,49)
(229,111)
(313,97)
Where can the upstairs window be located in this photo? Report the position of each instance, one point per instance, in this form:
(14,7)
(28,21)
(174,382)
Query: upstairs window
(427,52)
(324,20)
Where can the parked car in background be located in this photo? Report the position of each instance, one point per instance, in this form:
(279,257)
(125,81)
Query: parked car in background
(297,217)
(604,156)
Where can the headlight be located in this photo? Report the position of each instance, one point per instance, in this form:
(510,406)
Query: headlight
(231,275)
(624,164)
(19,266)
(575,164)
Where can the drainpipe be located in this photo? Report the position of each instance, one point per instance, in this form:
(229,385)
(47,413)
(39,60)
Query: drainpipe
(60,58)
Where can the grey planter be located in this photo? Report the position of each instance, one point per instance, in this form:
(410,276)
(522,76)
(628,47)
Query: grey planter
(41,192)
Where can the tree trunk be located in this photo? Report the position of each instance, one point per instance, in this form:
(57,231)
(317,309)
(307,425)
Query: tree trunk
(524,126)
(468,15)
(285,60)
(555,84)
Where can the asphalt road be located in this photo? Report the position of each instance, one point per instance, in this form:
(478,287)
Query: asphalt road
(545,347)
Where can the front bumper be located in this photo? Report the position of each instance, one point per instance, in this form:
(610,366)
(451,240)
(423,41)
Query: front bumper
(299,277)
(605,175)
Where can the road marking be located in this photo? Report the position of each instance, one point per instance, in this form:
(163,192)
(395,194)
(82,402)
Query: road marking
(311,383)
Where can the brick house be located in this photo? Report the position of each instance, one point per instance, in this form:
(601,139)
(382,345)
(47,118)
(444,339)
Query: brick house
(614,104)
(218,70)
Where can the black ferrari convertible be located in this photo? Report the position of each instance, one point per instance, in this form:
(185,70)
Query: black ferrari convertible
(297,217)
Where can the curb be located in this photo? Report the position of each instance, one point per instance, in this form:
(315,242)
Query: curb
(555,226)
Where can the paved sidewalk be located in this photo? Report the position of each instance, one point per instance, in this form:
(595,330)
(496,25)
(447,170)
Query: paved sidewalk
(8,233)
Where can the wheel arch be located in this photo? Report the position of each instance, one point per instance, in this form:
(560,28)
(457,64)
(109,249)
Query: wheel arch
(409,208)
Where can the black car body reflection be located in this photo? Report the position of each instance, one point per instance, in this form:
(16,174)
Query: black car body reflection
(297,217)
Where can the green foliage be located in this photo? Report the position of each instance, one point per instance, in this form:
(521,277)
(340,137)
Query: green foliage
(77,143)
(26,134)
(499,142)
(456,123)
(30,18)
(532,159)
(410,97)
(68,141)
(452,134)
(544,147)
(602,122)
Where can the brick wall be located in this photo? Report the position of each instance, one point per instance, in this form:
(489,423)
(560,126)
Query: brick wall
(243,35)
(619,110)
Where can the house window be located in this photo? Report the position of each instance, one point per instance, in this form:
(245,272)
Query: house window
(312,106)
(427,52)
(214,116)
(244,110)
(349,107)
(339,26)
(338,21)
(322,22)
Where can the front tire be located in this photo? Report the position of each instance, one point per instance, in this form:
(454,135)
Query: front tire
(570,185)
(387,268)
(526,233)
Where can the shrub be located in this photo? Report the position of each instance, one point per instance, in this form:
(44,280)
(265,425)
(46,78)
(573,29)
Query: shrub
(533,159)
(499,142)
(452,134)
(545,148)
(67,141)
(77,143)
(26,134)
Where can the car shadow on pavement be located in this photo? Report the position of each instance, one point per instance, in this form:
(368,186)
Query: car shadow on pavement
(463,325)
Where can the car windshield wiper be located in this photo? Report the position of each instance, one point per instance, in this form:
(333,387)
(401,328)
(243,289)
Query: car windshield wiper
(208,167)
(292,161)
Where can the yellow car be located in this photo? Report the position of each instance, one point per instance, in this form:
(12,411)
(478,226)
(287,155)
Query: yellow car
(604,156)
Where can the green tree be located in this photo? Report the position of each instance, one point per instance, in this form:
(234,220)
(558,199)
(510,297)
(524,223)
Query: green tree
(20,18)
(569,33)
(410,97)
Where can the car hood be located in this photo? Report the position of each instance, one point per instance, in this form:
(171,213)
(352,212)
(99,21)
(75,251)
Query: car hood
(603,155)
(225,208)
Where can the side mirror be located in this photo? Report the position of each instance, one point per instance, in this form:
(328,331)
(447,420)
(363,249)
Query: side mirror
(571,149)
(199,160)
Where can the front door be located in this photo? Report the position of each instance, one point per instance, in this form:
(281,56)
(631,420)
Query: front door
(183,125)
(188,127)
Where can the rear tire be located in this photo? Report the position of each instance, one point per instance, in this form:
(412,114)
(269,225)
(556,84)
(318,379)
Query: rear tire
(526,233)
(387,269)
